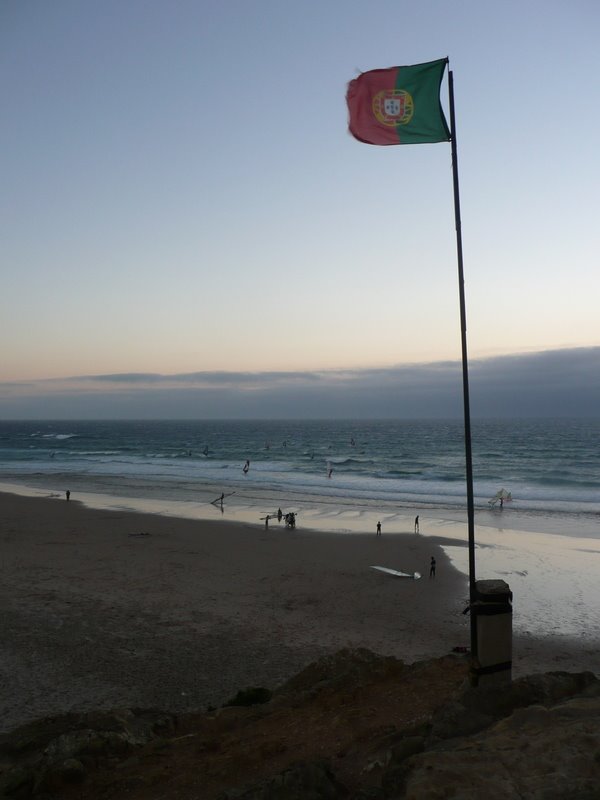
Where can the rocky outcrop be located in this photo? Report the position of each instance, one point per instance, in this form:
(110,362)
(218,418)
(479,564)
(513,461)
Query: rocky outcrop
(353,725)
(45,756)
(536,753)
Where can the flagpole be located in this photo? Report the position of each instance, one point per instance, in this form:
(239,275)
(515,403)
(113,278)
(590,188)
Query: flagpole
(465,372)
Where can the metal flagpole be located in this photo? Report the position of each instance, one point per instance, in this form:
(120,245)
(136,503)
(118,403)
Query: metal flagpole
(465,372)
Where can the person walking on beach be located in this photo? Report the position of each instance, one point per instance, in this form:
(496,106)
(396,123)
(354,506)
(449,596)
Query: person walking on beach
(417,524)
(267,518)
(379,529)
(432,568)
(68,494)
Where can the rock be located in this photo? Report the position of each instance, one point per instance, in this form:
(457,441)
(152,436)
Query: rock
(71,771)
(536,753)
(313,781)
(477,708)
(17,782)
(393,731)
(254,695)
(407,746)
(43,756)
(338,668)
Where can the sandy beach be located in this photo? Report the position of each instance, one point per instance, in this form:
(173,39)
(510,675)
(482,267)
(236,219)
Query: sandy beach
(107,608)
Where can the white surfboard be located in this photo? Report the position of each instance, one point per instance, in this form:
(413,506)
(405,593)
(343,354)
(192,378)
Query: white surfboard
(414,575)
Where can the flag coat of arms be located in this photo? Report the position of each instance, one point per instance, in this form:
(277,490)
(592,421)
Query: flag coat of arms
(399,105)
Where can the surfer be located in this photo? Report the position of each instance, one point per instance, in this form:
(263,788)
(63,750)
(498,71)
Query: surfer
(379,529)
(246,467)
(205,451)
(432,568)
(417,524)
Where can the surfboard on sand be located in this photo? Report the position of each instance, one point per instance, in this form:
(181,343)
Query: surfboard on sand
(414,575)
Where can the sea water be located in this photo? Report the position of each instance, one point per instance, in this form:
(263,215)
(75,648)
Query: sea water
(344,476)
(549,466)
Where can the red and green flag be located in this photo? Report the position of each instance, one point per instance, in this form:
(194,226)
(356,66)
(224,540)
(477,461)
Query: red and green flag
(399,105)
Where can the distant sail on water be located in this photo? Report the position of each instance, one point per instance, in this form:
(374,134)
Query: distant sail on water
(501,496)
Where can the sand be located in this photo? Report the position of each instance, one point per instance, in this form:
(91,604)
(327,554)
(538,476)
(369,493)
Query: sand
(102,609)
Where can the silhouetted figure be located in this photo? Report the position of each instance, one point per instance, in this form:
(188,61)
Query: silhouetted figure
(417,524)
(432,568)
(379,529)
(246,467)
(279,514)
(68,494)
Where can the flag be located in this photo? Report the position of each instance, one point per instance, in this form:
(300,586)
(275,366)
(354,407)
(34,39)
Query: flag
(399,105)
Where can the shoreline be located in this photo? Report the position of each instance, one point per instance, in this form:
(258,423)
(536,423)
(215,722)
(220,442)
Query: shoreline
(99,616)
(321,513)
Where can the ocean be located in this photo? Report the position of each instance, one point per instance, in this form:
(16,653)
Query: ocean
(550,467)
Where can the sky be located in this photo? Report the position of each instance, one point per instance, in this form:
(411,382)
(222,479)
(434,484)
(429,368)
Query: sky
(188,229)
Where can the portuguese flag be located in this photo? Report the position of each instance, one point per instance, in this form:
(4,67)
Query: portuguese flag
(399,105)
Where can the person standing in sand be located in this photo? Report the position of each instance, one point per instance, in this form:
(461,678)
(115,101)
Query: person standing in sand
(417,524)
(432,568)
(68,494)
(379,529)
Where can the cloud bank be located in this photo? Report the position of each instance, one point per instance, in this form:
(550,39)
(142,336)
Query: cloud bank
(544,384)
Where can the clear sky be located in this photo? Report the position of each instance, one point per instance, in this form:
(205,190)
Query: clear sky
(180,193)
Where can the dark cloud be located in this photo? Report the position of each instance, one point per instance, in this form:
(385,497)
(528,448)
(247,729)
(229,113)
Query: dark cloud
(549,383)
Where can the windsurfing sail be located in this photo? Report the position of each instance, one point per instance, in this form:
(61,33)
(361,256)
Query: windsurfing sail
(501,496)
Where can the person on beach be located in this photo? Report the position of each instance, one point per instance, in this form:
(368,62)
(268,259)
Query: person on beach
(68,494)
(432,568)
(246,467)
(379,529)
(267,518)
(417,524)
(279,514)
